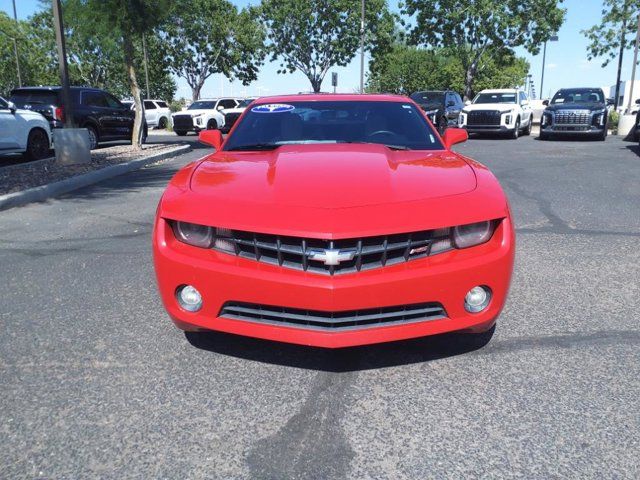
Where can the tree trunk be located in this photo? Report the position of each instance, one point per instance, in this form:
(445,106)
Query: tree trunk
(316,82)
(469,79)
(136,134)
(195,90)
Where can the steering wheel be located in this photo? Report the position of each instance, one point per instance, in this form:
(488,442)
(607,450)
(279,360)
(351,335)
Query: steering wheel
(382,132)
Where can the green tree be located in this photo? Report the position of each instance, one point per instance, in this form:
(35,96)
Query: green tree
(478,27)
(314,35)
(614,34)
(128,20)
(205,37)
(406,69)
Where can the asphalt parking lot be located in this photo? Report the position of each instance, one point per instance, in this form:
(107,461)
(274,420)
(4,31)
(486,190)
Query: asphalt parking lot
(95,382)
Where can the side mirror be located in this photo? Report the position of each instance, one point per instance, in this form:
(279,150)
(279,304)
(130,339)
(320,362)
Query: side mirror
(467,102)
(611,102)
(211,137)
(220,107)
(545,103)
(454,135)
(12,107)
(638,101)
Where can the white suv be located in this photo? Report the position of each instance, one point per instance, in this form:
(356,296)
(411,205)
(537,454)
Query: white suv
(202,114)
(156,112)
(498,111)
(23,131)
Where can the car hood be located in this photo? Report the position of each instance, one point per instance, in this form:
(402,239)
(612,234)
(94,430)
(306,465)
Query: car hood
(195,112)
(503,107)
(575,106)
(331,176)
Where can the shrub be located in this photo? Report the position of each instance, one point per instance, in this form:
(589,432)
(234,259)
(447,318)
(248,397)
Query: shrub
(612,124)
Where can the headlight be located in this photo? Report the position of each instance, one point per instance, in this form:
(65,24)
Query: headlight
(193,234)
(473,234)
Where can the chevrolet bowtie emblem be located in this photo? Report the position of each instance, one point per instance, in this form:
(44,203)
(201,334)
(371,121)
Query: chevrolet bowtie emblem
(332,256)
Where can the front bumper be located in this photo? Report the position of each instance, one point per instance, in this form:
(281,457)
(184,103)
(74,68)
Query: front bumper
(489,129)
(443,278)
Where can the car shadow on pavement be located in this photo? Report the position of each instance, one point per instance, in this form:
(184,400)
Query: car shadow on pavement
(349,359)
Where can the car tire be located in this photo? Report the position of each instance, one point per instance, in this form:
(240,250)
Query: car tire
(212,125)
(37,144)
(442,125)
(516,131)
(603,136)
(544,136)
(180,133)
(474,341)
(93,137)
(162,123)
(527,130)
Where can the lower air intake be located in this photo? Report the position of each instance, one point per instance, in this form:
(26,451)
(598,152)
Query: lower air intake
(333,321)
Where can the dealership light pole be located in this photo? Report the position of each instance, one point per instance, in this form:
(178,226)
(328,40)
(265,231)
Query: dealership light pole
(553,38)
(62,63)
(15,45)
(362,48)
(633,70)
(146,62)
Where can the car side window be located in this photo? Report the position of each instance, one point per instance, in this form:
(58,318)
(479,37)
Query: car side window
(523,98)
(227,103)
(458,100)
(112,102)
(163,104)
(149,105)
(94,99)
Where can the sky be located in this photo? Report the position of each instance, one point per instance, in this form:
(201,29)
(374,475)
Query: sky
(566,62)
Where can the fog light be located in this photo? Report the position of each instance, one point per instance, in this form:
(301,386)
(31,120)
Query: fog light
(477,299)
(189,298)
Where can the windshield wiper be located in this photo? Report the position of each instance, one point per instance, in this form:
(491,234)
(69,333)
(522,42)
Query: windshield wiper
(254,146)
(397,147)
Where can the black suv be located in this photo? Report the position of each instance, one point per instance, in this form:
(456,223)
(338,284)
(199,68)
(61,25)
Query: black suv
(576,112)
(101,113)
(441,106)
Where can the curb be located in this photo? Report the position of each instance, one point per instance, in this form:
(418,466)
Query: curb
(50,190)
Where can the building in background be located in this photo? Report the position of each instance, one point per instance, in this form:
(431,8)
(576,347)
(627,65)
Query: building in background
(625,90)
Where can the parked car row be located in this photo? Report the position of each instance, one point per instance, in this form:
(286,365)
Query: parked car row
(103,115)
(210,114)
(156,112)
(572,111)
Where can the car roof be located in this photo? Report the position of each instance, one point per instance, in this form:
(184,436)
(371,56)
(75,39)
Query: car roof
(580,89)
(53,88)
(500,90)
(334,97)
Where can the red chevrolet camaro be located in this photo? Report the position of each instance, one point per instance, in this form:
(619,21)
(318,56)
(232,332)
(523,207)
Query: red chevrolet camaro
(333,221)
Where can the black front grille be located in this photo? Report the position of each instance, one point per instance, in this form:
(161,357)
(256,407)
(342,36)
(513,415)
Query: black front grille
(484,118)
(315,255)
(572,117)
(182,122)
(334,321)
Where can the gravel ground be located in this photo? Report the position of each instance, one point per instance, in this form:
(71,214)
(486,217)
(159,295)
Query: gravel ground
(15,178)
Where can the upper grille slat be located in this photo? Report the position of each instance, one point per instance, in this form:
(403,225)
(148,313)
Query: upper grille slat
(317,255)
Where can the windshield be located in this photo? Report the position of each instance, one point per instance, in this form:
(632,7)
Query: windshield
(495,98)
(587,95)
(394,124)
(428,97)
(202,105)
(245,103)
(34,97)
